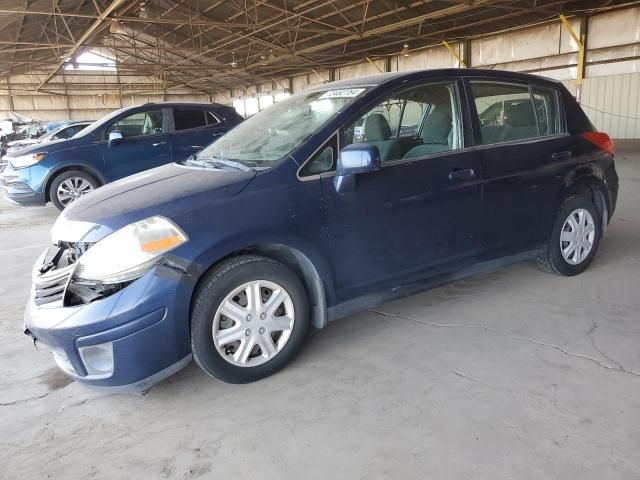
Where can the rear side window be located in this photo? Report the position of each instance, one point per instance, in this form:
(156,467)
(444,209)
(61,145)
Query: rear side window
(187,118)
(509,112)
(505,112)
(547,112)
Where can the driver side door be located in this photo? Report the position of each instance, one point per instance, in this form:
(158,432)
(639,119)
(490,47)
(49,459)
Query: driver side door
(145,143)
(420,214)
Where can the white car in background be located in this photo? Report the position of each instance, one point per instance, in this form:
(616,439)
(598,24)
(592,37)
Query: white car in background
(66,131)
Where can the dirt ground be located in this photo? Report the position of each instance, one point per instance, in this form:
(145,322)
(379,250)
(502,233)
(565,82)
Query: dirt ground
(513,375)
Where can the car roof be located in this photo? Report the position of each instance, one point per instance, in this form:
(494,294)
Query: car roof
(181,104)
(382,78)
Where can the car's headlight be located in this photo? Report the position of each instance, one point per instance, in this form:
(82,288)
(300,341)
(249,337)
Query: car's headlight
(129,252)
(26,160)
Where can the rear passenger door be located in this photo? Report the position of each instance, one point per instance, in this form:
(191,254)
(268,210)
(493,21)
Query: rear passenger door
(194,128)
(524,151)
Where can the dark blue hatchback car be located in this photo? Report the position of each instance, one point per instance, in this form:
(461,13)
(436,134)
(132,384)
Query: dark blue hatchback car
(285,222)
(125,142)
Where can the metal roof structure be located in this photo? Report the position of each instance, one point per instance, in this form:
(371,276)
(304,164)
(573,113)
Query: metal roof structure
(210,45)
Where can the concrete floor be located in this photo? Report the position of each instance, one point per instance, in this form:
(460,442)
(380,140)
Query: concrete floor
(513,375)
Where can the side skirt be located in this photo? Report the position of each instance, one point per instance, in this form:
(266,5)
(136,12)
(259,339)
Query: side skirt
(374,299)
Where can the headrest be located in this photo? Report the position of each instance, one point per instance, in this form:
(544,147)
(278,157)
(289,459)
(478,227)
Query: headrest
(521,115)
(376,128)
(437,127)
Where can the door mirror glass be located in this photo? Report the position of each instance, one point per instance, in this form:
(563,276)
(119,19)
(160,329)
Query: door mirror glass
(358,158)
(115,137)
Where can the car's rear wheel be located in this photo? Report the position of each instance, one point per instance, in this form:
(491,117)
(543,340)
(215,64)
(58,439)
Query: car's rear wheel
(69,186)
(574,239)
(249,319)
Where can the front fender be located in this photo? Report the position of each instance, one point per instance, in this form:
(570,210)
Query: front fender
(62,161)
(236,245)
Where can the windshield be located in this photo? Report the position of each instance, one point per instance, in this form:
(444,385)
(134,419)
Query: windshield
(46,135)
(50,134)
(276,131)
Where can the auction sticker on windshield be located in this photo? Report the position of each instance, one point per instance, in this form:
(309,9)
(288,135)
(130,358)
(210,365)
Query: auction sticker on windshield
(342,93)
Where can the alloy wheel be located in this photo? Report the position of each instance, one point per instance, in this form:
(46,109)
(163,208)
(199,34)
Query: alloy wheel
(72,189)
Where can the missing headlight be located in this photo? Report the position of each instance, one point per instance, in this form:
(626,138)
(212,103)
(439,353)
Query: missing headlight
(81,292)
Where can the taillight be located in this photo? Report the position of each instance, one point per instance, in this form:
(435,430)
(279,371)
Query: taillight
(600,140)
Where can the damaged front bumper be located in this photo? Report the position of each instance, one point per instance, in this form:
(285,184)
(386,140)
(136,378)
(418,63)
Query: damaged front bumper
(127,340)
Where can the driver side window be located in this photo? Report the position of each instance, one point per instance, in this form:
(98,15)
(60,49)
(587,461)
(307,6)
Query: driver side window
(139,124)
(412,123)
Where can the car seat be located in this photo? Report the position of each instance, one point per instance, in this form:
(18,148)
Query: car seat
(378,132)
(436,134)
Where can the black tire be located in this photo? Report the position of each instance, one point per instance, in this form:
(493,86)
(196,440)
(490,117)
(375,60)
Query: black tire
(553,261)
(64,176)
(215,287)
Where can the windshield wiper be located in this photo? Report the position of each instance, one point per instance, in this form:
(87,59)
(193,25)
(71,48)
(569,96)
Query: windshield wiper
(232,163)
(210,162)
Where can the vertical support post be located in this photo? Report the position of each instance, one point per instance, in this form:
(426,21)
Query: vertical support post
(454,54)
(581,41)
(66,97)
(11,106)
(466,52)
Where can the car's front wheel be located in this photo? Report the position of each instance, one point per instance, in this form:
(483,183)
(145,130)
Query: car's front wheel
(249,319)
(575,237)
(69,186)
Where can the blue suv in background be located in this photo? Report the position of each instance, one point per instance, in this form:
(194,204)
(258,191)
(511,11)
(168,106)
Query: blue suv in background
(125,142)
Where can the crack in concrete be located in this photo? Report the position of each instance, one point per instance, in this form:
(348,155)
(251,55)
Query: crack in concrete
(493,387)
(617,367)
(24,400)
(596,348)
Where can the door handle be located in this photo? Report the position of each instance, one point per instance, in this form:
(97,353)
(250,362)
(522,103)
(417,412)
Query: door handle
(561,155)
(197,146)
(461,174)
(159,143)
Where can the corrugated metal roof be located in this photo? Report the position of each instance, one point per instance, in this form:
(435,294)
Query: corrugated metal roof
(208,45)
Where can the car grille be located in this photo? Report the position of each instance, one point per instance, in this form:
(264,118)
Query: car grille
(51,286)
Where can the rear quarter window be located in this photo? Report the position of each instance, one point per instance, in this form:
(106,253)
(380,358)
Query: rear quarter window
(547,108)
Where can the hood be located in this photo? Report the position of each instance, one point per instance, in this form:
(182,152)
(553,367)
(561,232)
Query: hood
(24,141)
(171,190)
(46,147)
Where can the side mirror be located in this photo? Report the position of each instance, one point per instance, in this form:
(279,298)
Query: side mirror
(353,160)
(115,137)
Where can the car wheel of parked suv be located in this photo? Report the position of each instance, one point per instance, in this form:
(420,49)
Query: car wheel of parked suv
(249,319)
(575,237)
(69,186)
